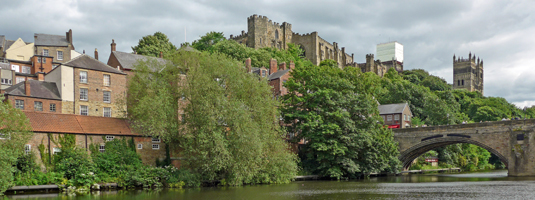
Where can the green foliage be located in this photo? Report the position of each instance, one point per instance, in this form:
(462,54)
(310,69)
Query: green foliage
(207,41)
(339,121)
(14,133)
(228,129)
(152,45)
(76,166)
(117,157)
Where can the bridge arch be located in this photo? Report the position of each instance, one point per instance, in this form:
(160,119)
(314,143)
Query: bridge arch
(407,157)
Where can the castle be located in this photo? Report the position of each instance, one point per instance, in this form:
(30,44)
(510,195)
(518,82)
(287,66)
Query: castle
(262,32)
(468,73)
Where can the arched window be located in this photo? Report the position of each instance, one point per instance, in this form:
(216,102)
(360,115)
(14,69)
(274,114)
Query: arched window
(276,34)
(303,49)
(458,82)
(462,82)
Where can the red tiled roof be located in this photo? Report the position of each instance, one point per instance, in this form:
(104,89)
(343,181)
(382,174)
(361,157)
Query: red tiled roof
(78,124)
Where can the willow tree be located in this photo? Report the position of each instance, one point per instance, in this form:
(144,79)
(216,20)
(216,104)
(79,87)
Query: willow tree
(224,120)
(14,133)
(334,112)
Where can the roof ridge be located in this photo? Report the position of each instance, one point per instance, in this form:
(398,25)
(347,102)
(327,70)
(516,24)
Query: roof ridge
(78,122)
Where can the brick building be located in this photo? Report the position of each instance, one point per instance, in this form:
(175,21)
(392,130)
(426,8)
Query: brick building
(90,87)
(35,95)
(396,115)
(89,131)
(126,61)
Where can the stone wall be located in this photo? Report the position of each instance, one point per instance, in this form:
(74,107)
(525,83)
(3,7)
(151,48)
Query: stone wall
(53,51)
(95,86)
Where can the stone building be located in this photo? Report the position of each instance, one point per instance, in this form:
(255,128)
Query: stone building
(59,47)
(396,115)
(90,87)
(379,67)
(262,32)
(468,73)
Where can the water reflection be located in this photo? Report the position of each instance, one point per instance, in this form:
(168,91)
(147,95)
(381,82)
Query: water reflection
(481,185)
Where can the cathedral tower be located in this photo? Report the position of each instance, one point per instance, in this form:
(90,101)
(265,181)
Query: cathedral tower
(468,73)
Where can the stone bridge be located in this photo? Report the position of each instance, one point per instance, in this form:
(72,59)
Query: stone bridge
(509,140)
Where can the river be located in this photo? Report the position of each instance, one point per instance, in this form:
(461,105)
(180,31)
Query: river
(480,185)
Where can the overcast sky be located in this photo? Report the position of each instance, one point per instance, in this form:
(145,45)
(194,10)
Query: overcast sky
(502,33)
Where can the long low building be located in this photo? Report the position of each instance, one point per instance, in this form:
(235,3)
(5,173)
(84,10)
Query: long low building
(88,130)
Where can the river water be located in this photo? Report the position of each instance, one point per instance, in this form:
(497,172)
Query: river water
(480,185)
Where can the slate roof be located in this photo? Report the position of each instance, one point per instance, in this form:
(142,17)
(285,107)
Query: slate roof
(392,108)
(87,62)
(78,124)
(50,40)
(128,60)
(278,74)
(38,89)
(8,44)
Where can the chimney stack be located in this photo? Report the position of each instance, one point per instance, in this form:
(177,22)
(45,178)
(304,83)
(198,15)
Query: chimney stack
(161,54)
(40,76)
(272,66)
(27,87)
(282,66)
(292,65)
(69,36)
(248,65)
(96,54)
(113,45)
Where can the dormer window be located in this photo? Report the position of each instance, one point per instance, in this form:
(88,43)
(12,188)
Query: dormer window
(263,73)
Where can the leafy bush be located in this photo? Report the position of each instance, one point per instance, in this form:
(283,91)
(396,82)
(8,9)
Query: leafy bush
(76,166)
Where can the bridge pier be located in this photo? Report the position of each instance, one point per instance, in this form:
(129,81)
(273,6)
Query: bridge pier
(509,140)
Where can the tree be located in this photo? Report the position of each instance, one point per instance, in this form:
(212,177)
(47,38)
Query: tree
(224,120)
(14,133)
(206,42)
(330,109)
(152,45)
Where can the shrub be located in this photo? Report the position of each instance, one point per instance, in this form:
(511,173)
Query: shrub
(76,166)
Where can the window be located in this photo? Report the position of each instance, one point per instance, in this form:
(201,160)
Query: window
(462,82)
(155,146)
(156,140)
(44,60)
(106,96)
(19,104)
(60,55)
(20,79)
(102,148)
(15,68)
(26,70)
(45,52)
(276,34)
(263,73)
(6,81)
(39,59)
(110,138)
(389,118)
(27,149)
(396,117)
(83,94)
(139,146)
(2,136)
(405,117)
(38,106)
(107,112)
(83,110)
(83,77)
(408,118)
(107,80)
(52,107)
(56,150)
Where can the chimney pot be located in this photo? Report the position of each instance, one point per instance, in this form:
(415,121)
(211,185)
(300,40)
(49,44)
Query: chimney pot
(96,54)
(113,45)
(282,66)
(161,54)
(248,65)
(292,65)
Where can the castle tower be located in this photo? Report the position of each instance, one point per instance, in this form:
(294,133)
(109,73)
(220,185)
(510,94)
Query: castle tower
(262,32)
(468,73)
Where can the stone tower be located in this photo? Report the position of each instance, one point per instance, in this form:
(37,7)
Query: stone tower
(262,32)
(468,73)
